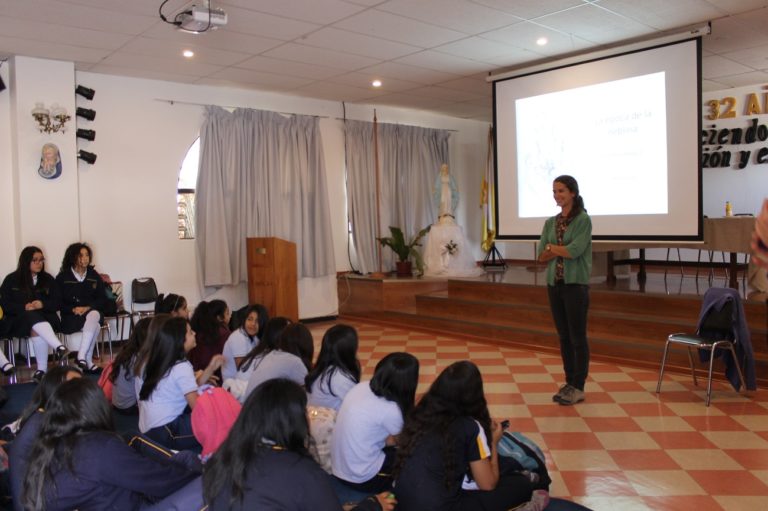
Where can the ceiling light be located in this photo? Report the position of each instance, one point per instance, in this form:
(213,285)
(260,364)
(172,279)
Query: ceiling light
(188,53)
(541,41)
(376,83)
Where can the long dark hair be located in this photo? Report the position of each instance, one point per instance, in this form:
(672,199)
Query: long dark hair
(338,352)
(22,269)
(273,416)
(457,392)
(77,407)
(48,385)
(72,254)
(267,342)
(395,379)
(573,187)
(208,320)
(130,350)
(238,318)
(296,339)
(166,350)
(170,303)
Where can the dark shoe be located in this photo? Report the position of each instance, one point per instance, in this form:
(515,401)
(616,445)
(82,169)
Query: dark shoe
(82,364)
(60,352)
(38,376)
(8,369)
(560,391)
(94,369)
(571,396)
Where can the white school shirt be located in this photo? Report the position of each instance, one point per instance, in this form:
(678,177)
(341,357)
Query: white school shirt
(363,424)
(239,344)
(168,400)
(341,383)
(276,364)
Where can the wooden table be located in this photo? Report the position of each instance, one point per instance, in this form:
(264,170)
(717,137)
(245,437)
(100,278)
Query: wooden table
(726,234)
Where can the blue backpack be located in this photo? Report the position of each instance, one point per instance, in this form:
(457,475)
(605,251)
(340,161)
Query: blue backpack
(524,455)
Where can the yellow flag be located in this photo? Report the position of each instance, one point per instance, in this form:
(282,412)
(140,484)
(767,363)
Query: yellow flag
(488,198)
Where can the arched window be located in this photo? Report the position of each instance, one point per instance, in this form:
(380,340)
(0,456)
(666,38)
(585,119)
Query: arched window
(185,192)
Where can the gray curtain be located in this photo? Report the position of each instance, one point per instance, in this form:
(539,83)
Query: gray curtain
(261,174)
(409,158)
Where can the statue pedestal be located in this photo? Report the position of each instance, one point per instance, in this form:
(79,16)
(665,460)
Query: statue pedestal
(440,260)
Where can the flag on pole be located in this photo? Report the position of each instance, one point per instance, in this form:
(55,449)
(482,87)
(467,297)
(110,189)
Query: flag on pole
(488,198)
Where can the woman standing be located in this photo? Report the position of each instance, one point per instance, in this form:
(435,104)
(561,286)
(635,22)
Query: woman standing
(30,298)
(566,247)
(83,298)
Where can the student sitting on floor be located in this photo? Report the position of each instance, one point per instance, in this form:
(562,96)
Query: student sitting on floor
(210,321)
(81,462)
(447,456)
(368,422)
(124,397)
(267,343)
(167,385)
(249,324)
(291,360)
(264,462)
(173,304)
(29,427)
(337,369)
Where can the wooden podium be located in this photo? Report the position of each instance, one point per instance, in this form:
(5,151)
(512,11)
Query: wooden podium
(272,276)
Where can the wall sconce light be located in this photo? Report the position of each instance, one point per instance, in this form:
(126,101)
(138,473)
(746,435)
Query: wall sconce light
(89,135)
(86,156)
(50,121)
(85,92)
(86,113)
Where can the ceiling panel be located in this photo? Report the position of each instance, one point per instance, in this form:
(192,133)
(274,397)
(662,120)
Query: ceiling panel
(173,50)
(459,15)
(162,65)
(412,73)
(42,49)
(266,25)
(663,14)
(300,69)
(399,28)
(440,61)
(529,9)
(716,66)
(140,73)
(218,39)
(55,33)
(524,35)
(594,24)
(321,12)
(363,80)
(744,79)
(270,80)
(330,58)
(358,44)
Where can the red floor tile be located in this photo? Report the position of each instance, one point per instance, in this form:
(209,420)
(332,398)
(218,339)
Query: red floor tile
(743,408)
(751,459)
(595,483)
(683,503)
(647,410)
(572,441)
(728,482)
(714,423)
(681,440)
(652,459)
(607,424)
(553,410)
(621,386)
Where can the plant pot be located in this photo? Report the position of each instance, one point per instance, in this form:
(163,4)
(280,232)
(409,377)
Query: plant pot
(404,269)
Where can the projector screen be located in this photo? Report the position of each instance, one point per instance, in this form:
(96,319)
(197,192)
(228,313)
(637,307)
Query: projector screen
(627,127)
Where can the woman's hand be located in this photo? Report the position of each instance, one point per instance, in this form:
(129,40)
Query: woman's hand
(207,376)
(386,500)
(80,310)
(496,432)
(34,305)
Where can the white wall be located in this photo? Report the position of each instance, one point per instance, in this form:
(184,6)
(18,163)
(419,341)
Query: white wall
(8,246)
(127,200)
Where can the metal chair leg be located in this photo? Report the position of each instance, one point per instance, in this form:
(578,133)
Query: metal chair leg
(693,367)
(661,371)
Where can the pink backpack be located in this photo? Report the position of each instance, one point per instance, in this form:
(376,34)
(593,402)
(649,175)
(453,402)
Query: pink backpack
(213,416)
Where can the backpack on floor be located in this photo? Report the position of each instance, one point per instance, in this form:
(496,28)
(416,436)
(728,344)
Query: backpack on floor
(523,454)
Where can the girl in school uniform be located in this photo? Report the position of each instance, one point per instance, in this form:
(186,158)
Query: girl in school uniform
(124,397)
(337,369)
(30,299)
(167,385)
(267,342)
(173,304)
(243,338)
(369,420)
(264,463)
(291,360)
(83,298)
(81,462)
(210,321)
(447,455)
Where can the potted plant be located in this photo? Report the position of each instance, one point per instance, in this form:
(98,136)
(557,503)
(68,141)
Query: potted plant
(405,251)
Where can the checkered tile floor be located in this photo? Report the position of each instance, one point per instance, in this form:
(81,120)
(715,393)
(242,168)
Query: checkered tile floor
(625,448)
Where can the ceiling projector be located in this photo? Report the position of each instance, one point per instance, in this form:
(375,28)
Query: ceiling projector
(200,19)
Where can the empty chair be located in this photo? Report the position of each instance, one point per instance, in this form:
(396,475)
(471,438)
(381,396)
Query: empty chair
(143,294)
(722,331)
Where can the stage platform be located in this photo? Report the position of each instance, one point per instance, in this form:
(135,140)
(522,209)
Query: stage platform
(628,321)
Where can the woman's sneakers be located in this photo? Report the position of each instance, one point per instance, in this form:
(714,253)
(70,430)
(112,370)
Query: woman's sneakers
(556,397)
(60,352)
(8,369)
(569,396)
(38,376)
